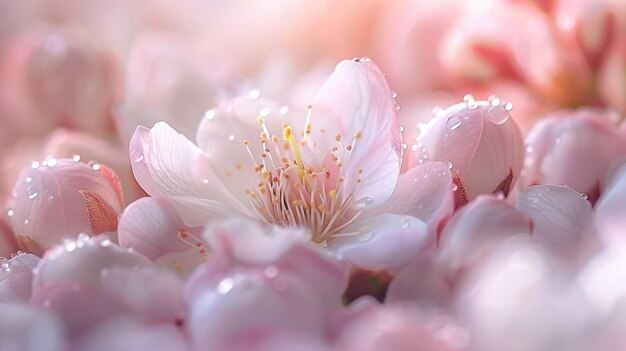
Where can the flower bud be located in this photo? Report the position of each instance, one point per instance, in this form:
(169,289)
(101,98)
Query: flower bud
(58,198)
(481,144)
(559,150)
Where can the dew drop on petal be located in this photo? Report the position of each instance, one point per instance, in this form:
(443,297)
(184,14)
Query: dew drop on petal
(10,212)
(366,235)
(35,164)
(362,202)
(454,187)
(453,122)
(4,263)
(498,115)
(494,100)
(448,164)
(394,94)
(210,114)
(414,147)
(406,223)
(284,110)
(95,166)
(264,112)
(231,137)
(271,271)
(205,181)
(28,179)
(584,196)
(76,157)
(136,155)
(32,195)
(52,162)
(225,285)
(254,94)
(529,148)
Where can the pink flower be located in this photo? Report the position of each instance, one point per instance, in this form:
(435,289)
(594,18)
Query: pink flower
(129,334)
(559,147)
(16,276)
(514,301)
(153,228)
(334,177)
(88,281)
(561,221)
(27,328)
(401,327)
(58,198)
(481,144)
(256,289)
(60,78)
(166,81)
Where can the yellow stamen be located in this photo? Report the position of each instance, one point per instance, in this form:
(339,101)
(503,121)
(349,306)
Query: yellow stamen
(288,136)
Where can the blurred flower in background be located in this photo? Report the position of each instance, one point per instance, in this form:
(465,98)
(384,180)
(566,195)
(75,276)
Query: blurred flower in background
(456,186)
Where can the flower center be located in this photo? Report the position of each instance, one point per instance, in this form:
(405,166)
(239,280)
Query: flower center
(301,185)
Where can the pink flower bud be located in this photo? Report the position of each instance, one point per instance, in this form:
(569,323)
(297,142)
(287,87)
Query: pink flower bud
(481,144)
(16,277)
(560,148)
(58,198)
(74,280)
(60,78)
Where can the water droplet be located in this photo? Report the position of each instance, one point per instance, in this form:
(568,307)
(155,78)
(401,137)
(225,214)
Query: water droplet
(69,245)
(406,224)
(362,202)
(584,196)
(210,114)
(470,101)
(50,197)
(33,195)
(394,94)
(95,166)
(264,112)
(136,155)
(498,115)
(254,94)
(397,107)
(35,164)
(448,164)
(52,162)
(494,100)
(404,146)
(362,59)
(29,179)
(26,221)
(271,271)
(454,187)
(402,129)
(366,234)
(500,195)
(420,161)
(453,122)
(529,148)
(10,212)
(414,147)
(205,181)
(284,110)
(76,157)
(225,285)
(4,263)
(508,106)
